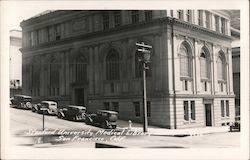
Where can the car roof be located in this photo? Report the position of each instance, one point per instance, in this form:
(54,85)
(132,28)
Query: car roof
(79,107)
(24,96)
(48,102)
(107,111)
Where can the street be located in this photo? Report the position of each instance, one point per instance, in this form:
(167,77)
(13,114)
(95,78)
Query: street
(26,127)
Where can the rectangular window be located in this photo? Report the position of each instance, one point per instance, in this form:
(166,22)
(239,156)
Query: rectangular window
(217,28)
(227,108)
(115,106)
(33,38)
(185,85)
(180,14)
(192,110)
(117,18)
(189,15)
(112,87)
(148,109)
(105,20)
(200,17)
(222,108)
(50,34)
(135,16)
(208,19)
(223,25)
(148,15)
(186,117)
(137,109)
(221,87)
(205,86)
(58,31)
(106,105)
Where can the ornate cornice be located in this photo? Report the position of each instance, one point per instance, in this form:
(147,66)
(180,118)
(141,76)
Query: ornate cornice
(200,29)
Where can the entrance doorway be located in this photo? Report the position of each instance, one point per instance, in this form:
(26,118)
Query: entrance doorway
(208,112)
(79,96)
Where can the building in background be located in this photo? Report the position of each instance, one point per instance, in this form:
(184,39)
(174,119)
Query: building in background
(15,64)
(89,58)
(235,33)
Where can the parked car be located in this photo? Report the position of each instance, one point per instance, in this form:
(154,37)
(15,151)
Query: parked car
(48,107)
(72,112)
(103,118)
(235,126)
(21,101)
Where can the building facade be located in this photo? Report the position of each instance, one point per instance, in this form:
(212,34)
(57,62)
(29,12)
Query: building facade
(89,58)
(15,71)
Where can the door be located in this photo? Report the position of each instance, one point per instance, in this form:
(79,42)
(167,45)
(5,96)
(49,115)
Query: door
(208,114)
(79,96)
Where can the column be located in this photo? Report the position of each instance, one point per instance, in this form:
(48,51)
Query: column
(215,80)
(178,83)
(164,61)
(62,74)
(196,71)
(156,66)
(170,64)
(212,71)
(67,74)
(230,72)
(91,71)
(97,73)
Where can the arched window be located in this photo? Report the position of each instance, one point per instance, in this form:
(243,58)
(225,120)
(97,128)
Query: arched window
(185,60)
(112,65)
(81,69)
(221,67)
(54,77)
(205,65)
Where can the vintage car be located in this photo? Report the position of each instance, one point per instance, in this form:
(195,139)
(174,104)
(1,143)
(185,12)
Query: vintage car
(235,126)
(21,101)
(72,112)
(48,107)
(103,118)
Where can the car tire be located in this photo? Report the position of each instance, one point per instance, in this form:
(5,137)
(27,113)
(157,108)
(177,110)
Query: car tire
(33,109)
(88,121)
(104,125)
(28,105)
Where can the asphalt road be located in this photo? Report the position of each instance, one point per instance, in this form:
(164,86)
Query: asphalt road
(26,126)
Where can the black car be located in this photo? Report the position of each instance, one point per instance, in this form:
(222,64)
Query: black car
(103,118)
(21,101)
(76,113)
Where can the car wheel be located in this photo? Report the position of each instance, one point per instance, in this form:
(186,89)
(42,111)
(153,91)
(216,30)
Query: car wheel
(33,109)
(88,121)
(104,125)
(28,105)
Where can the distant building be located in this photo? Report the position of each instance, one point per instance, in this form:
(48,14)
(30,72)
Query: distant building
(235,33)
(89,58)
(15,62)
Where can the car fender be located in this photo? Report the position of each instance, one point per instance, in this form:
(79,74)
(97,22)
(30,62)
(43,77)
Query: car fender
(61,112)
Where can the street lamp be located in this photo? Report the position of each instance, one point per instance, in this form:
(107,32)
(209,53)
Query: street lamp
(144,55)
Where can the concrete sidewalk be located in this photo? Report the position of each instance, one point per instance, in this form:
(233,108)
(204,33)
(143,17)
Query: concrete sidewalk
(157,131)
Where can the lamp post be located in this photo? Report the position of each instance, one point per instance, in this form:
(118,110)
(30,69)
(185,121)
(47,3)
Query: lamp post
(144,54)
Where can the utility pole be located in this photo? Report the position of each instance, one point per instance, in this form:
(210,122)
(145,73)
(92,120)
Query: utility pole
(144,54)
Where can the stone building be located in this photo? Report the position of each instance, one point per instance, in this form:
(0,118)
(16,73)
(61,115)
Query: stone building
(15,72)
(88,58)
